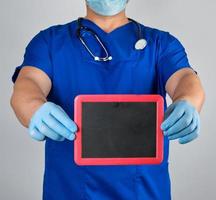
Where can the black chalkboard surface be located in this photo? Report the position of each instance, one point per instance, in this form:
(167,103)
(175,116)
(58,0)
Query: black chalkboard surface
(118,129)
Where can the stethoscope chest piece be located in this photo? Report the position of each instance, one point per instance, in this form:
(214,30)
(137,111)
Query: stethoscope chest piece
(140,44)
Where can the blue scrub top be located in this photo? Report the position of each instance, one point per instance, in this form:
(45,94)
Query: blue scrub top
(59,53)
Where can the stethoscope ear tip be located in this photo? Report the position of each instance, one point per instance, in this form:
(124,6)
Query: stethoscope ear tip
(140,44)
(96,58)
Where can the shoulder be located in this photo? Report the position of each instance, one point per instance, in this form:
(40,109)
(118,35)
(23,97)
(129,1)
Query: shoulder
(157,35)
(57,31)
(54,36)
(162,40)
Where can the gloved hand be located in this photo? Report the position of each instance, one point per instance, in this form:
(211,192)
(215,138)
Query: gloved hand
(51,121)
(181,122)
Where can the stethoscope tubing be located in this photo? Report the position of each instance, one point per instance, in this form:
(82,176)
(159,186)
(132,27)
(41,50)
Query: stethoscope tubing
(107,56)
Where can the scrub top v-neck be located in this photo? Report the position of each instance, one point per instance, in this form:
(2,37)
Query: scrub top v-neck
(61,56)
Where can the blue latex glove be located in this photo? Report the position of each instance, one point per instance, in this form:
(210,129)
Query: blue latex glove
(181,122)
(51,121)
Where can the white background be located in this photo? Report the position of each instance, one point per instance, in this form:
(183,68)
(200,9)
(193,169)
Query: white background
(192,166)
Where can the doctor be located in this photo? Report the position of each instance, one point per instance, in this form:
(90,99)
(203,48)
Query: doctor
(103,53)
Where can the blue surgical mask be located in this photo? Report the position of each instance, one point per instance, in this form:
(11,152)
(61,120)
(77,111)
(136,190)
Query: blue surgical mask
(107,7)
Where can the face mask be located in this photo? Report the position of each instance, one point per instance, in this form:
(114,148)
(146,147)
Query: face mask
(107,7)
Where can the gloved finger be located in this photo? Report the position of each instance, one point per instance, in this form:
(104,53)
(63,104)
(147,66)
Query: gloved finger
(59,128)
(35,134)
(64,119)
(48,132)
(181,124)
(169,110)
(185,131)
(188,138)
(175,115)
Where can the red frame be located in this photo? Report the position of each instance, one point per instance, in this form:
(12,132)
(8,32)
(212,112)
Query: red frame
(115,98)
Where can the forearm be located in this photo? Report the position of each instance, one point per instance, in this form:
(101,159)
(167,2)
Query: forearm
(189,88)
(27,97)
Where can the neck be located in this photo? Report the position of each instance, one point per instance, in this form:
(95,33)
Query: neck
(107,23)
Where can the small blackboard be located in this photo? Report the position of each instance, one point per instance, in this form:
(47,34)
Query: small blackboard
(118,129)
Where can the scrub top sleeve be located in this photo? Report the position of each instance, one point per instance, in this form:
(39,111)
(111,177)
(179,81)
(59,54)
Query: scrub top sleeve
(172,57)
(36,55)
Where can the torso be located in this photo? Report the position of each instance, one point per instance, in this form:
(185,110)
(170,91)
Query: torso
(75,72)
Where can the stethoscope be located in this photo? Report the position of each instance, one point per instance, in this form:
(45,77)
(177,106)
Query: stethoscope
(139,45)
